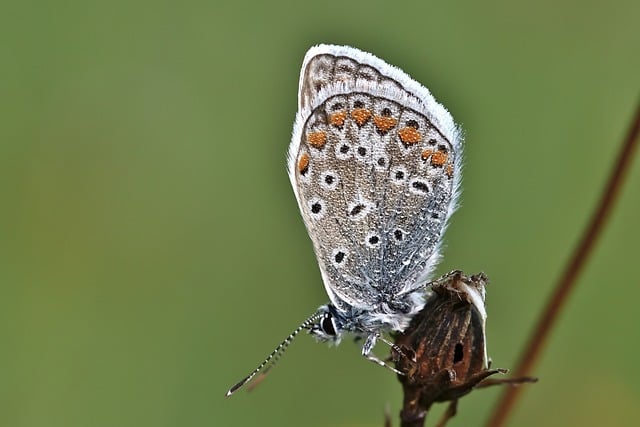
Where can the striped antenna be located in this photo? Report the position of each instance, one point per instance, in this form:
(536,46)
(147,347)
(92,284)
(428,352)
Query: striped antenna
(275,354)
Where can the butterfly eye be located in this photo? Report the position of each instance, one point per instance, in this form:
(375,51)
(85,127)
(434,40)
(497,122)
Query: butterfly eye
(327,325)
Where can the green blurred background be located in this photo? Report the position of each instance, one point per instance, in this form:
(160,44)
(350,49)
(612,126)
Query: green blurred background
(151,249)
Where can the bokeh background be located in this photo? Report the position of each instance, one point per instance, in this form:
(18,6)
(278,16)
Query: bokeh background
(151,249)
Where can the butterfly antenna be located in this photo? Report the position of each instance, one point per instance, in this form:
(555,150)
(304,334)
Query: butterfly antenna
(275,354)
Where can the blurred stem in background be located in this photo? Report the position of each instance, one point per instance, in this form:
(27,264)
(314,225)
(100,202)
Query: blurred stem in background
(568,279)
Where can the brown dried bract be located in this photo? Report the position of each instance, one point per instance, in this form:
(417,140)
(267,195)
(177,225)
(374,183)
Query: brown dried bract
(444,349)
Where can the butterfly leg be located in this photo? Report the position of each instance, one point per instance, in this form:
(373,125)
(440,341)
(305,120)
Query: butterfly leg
(368,347)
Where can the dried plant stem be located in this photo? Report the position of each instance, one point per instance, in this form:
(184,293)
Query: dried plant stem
(567,281)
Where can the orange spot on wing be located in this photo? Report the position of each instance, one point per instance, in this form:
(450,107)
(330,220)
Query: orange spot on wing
(449,170)
(439,158)
(361,116)
(317,139)
(303,163)
(409,135)
(384,123)
(337,119)
(426,154)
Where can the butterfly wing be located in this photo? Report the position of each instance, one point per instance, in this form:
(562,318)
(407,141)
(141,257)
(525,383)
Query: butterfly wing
(375,164)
